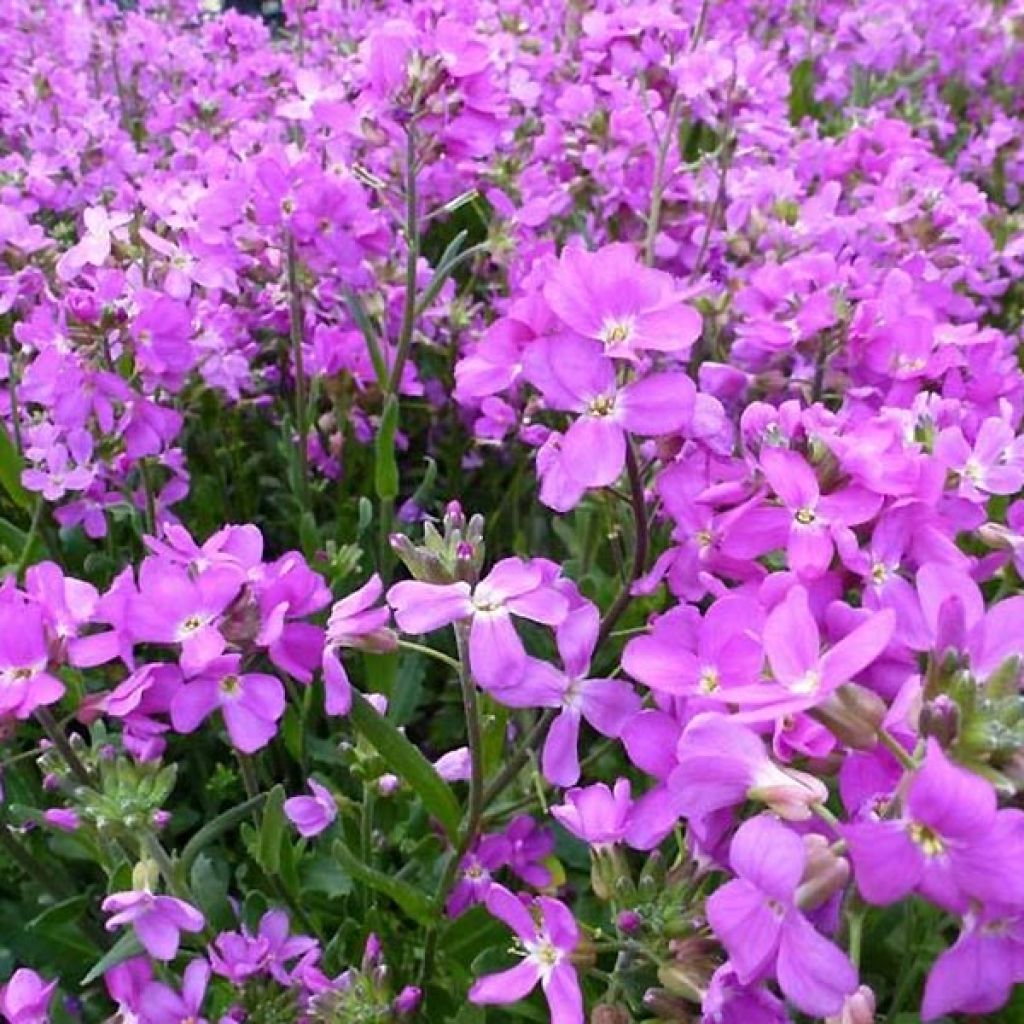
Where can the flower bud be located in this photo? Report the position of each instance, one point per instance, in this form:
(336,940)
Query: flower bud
(825,873)
(940,718)
(606,1013)
(853,714)
(858,1008)
(407,1001)
(629,922)
(678,979)
(666,1006)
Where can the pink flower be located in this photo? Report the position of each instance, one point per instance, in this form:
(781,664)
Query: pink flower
(607,704)
(574,376)
(354,622)
(251,702)
(158,920)
(25,999)
(512,587)
(610,297)
(547,943)
(806,523)
(173,608)
(596,814)
(25,680)
(803,676)
(312,814)
(756,918)
(163,1005)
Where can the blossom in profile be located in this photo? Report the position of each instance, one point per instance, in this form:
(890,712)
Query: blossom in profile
(165,1005)
(25,999)
(311,815)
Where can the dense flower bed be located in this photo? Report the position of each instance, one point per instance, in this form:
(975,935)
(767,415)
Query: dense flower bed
(510,511)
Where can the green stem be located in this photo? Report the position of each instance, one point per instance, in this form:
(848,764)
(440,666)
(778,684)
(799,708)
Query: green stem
(408,645)
(517,762)
(30,539)
(895,748)
(147,487)
(295,329)
(640,545)
(412,240)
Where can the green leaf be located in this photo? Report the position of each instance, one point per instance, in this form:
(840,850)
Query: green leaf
(124,949)
(60,913)
(406,761)
(385,466)
(213,830)
(408,898)
(801,92)
(272,830)
(10,472)
(369,333)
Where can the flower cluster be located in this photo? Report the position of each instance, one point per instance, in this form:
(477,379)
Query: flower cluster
(553,468)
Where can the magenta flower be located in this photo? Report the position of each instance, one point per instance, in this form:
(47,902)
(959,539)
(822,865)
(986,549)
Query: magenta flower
(806,523)
(756,918)
(803,676)
(994,465)
(574,376)
(727,652)
(950,844)
(977,973)
(25,682)
(529,845)
(173,608)
(721,763)
(610,297)
(25,999)
(250,702)
(476,873)
(312,814)
(158,920)
(354,622)
(547,944)
(163,1005)
(607,704)
(596,814)
(241,955)
(512,587)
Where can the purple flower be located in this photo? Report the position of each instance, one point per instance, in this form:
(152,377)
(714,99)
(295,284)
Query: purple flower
(512,587)
(609,296)
(161,1004)
(806,523)
(250,702)
(25,682)
(171,607)
(596,814)
(25,999)
(354,622)
(803,676)
(476,873)
(547,944)
(756,918)
(607,704)
(721,764)
(977,973)
(158,920)
(574,376)
(950,844)
(312,814)
(241,955)
(529,845)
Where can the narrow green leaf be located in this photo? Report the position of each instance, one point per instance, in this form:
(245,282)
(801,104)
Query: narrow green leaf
(408,898)
(369,333)
(213,830)
(406,761)
(272,829)
(124,949)
(10,472)
(385,465)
